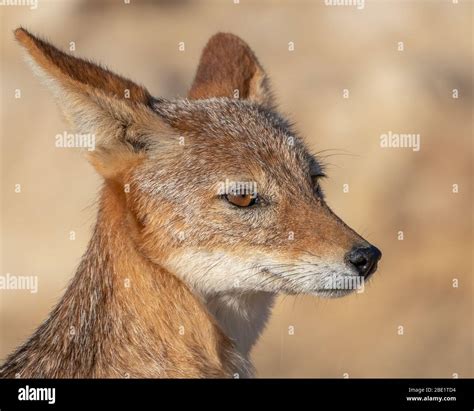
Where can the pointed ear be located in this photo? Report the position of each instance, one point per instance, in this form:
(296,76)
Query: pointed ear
(228,66)
(113,109)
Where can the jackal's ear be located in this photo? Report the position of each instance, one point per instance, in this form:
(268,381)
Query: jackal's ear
(229,68)
(97,102)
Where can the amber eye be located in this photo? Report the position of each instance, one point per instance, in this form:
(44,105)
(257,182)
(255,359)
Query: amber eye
(242,200)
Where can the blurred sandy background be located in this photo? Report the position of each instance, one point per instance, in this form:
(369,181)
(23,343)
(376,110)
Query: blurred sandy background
(391,190)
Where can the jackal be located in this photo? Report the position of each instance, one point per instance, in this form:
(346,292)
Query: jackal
(180,274)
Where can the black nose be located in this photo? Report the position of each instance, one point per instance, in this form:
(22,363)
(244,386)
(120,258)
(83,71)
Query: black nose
(364,259)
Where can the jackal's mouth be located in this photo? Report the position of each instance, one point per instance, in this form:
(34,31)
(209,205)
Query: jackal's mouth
(333,293)
(335,286)
(331,282)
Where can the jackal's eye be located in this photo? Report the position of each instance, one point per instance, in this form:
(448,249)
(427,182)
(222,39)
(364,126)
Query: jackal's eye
(242,200)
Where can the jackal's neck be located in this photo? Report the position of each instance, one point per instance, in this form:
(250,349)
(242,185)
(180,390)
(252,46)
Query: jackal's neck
(242,317)
(123,316)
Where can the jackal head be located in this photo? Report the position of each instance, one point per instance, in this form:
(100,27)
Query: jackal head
(218,188)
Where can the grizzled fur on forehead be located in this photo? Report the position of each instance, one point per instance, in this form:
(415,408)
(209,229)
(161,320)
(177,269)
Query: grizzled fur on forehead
(214,114)
(240,128)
